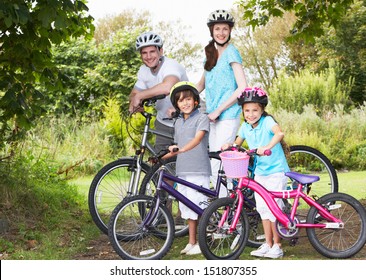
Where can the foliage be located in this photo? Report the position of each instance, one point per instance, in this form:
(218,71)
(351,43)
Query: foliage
(125,21)
(322,90)
(28,29)
(264,49)
(46,215)
(311,15)
(94,72)
(347,45)
(339,134)
(71,147)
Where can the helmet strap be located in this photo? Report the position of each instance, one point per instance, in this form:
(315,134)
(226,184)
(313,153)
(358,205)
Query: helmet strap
(223,44)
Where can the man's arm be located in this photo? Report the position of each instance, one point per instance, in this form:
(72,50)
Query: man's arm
(163,88)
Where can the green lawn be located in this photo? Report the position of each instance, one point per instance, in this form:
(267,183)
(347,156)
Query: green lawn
(353,183)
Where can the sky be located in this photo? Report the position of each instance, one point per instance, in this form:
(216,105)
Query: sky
(193,13)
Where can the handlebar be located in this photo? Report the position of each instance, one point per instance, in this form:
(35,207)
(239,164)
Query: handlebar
(152,100)
(248,152)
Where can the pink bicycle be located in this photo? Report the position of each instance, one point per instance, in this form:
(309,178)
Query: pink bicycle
(335,223)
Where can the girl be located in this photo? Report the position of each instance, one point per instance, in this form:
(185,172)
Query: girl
(193,163)
(261,132)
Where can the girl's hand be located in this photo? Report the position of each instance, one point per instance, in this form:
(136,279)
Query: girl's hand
(260,150)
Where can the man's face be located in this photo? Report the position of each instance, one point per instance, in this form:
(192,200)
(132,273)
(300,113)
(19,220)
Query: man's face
(150,56)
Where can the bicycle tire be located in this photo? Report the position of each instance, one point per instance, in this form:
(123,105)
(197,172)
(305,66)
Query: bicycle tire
(338,243)
(216,243)
(108,188)
(131,239)
(307,160)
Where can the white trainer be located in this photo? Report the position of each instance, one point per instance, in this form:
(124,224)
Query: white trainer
(195,250)
(188,247)
(274,253)
(261,251)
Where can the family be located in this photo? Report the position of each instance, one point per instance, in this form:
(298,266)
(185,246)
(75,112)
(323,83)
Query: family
(227,97)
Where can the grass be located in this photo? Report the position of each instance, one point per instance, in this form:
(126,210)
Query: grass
(353,183)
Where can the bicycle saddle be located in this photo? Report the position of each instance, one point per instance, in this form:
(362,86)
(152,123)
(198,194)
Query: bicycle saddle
(302,178)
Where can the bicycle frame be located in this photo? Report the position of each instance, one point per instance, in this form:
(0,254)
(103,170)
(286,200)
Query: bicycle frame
(287,221)
(139,156)
(164,186)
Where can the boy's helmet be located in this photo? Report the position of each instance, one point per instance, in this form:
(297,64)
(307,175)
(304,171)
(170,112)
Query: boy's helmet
(148,39)
(253,95)
(184,85)
(220,16)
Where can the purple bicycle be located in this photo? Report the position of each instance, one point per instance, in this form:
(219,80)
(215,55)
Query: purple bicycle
(142,227)
(335,223)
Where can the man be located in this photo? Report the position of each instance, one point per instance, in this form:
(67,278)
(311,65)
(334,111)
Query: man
(156,76)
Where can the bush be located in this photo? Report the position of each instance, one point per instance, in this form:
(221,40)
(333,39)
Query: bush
(294,93)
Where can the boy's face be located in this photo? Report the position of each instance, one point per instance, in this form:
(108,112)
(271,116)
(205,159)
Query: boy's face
(186,104)
(252,112)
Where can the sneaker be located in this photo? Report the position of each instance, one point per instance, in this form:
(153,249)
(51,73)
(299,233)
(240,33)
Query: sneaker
(261,251)
(186,249)
(274,253)
(195,250)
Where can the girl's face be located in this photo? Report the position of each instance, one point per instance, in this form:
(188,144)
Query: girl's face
(186,105)
(252,113)
(221,32)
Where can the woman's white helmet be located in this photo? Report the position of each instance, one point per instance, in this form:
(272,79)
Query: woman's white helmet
(220,16)
(148,39)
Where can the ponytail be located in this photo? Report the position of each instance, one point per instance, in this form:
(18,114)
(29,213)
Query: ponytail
(211,56)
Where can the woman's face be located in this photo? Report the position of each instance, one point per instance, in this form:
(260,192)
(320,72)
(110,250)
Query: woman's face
(221,32)
(252,113)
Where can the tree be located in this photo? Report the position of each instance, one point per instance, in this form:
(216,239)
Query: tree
(347,45)
(28,29)
(311,15)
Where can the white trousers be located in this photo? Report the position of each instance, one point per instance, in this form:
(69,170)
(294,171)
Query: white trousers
(273,182)
(195,196)
(221,132)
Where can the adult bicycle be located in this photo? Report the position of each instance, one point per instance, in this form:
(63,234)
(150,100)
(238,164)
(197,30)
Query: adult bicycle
(335,223)
(122,177)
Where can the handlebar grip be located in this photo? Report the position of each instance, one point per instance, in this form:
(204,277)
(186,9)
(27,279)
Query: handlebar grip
(175,150)
(267,152)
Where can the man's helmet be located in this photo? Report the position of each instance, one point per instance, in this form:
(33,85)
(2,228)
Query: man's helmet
(148,39)
(253,95)
(184,85)
(220,16)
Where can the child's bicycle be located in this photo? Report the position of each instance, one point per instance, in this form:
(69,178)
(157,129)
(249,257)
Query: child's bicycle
(335,223)
(142,227)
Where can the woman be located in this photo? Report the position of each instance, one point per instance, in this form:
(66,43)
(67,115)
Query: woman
(223,80)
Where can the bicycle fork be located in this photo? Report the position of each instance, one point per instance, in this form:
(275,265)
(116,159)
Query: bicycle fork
(239,202)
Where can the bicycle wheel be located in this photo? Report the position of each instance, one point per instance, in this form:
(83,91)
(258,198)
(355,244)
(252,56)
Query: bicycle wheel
(131,238)
(216,242)
(308,160)
(108,188)
(338,243)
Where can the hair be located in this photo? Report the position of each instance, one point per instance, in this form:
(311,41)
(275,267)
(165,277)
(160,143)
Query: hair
(212,55)
(184,94)
(284,145)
